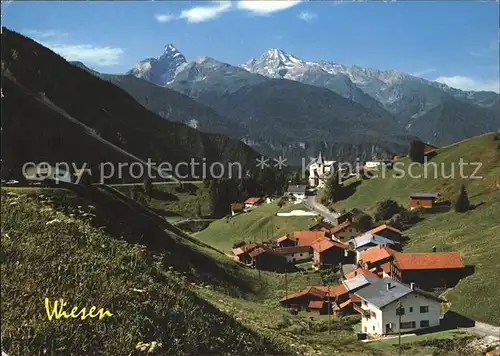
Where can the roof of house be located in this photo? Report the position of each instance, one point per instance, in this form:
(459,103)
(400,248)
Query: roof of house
(359,271)
(353,211)
(243,249)
(376,253)
(253,200)
(291,249)
(284,238)
(322,244)
(237,206)
(307,238)
(384,227)
(431,260)
(259,251)
(368,238)
(293,188)
(340,227)
(387,290)
(424,195)
(359,281)
(316,304)
(313,291)
(333,291)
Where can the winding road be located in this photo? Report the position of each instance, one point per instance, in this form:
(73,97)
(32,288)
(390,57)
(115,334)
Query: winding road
(322,210)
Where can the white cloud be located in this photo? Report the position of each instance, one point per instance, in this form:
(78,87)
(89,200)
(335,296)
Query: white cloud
(205,13)
(265,7)
(422,72)
(89,54)
(44,33)
(486,51)
(468,83)
(164,18)
(307,16)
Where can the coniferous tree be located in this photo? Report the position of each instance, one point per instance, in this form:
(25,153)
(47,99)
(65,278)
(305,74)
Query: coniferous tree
(417,151)
(462,203)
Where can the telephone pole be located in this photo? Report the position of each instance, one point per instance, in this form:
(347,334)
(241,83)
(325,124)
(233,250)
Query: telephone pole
(400,312)
(286,288)
(329,309)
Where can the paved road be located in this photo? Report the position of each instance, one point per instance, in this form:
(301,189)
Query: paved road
(322,210)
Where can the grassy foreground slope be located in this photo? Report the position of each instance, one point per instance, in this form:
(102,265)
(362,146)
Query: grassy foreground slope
(169,199)
(255,225)
(55,254)
(474,234)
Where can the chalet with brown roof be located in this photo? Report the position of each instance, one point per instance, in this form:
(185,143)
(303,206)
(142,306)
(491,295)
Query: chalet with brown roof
(301,238)
(345,231)
(264,258)
(242,253)
(377,258)
(327,253)
(422,200)
(237,208)
(360,271)
(387,231)
(253,201)
(428,270)
(295,254)
(428,147)
(316,299)
(349,215)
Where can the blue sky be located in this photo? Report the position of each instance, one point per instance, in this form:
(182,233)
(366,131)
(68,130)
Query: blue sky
(452,42)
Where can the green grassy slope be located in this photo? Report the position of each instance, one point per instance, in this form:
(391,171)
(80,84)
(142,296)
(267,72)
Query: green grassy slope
(255,225)
(170,200)
(474,234)
(73,260)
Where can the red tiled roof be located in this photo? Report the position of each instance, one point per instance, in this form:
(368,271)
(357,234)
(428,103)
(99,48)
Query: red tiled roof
(340,227)
(307,238)
(384,227)
(244,248)
(292,249)
(322,245)
(432,260)
(334,290)
(359,271)
(314,291)
(376,253)
(253,200)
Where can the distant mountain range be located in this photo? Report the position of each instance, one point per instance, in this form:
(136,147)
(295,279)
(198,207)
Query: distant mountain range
(391,95)
(56,112)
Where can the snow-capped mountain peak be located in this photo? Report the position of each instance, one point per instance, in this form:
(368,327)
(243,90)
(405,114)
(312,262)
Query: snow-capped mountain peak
(162,69)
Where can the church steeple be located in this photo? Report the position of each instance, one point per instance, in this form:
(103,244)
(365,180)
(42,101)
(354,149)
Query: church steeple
(320,159)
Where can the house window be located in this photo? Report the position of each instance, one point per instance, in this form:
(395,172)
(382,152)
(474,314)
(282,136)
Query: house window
(373,315)
(373,327)
(365,328)
(424,309)
(365,302)
(407,325)
(424,323)
(411,310)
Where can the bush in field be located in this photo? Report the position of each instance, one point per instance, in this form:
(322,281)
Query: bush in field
(387,209)
(462,203)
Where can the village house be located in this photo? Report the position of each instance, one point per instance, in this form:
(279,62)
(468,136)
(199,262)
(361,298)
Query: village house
(385,299)
(327,253)
(428,270)
(422,200)
(377,163)
(237,208)
(345,231)
(377,259)
(242,253)
(359,281)
(297,191)
(360,271)
(322,226)
(319,171)
(349,215)
(253,201)
(295,254)
(367,240)
(316,299)
(264,258)
(387,231)
(301,238)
